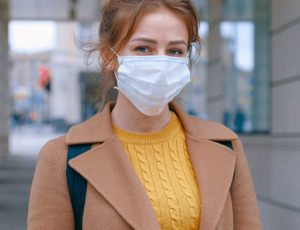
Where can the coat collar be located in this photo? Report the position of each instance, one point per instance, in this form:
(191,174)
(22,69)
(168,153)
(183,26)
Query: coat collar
(110,171)
(99,127)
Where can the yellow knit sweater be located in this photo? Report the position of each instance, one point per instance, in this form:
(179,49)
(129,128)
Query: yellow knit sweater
(163,164)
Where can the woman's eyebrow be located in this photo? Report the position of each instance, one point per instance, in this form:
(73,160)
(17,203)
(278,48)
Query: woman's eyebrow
(176,42)
(144,40)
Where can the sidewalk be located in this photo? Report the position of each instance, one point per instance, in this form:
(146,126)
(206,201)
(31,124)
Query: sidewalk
(16,172)
(15,180)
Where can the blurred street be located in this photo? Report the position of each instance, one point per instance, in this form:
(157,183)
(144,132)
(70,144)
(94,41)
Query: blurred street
(16,172)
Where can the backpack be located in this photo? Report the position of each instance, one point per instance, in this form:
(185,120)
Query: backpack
(77,184)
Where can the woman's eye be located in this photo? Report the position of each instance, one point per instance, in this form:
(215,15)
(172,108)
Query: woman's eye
(142,49)
(175,52)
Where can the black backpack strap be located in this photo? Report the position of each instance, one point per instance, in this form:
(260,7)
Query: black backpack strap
(77,184)
(226,143)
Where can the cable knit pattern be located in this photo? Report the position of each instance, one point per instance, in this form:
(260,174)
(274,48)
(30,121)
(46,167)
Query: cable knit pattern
(163,164)
(167,187)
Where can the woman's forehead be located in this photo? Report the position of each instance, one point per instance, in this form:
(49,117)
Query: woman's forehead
(161,24)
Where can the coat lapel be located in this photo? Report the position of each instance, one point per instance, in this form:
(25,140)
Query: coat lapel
(108,168)
(213,163)
(214,168)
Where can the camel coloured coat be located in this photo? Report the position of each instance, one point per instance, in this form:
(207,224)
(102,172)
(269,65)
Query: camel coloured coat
(115,197)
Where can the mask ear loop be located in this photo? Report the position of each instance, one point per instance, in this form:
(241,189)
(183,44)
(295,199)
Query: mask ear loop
(116,87)
(114,52)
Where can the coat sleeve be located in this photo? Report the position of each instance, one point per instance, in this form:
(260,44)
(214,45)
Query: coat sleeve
(246,214)
(49,205)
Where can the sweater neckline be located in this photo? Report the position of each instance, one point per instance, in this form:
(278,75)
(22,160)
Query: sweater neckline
(171,129)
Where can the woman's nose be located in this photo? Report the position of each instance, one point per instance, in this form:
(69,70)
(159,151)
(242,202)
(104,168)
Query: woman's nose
(161,52)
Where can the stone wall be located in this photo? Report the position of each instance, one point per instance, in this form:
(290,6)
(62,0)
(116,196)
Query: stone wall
(4,84)
(273,158)
(285,44)
(274,164)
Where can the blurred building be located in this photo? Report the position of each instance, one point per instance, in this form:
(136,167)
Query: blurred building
(27,96)
(248,78)
(61,101)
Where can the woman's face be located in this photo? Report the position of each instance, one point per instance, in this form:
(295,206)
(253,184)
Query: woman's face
(159,32)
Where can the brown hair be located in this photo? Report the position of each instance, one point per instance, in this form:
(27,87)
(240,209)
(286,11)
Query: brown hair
(118,22)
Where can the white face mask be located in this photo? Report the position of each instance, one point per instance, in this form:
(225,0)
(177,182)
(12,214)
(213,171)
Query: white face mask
(151,82)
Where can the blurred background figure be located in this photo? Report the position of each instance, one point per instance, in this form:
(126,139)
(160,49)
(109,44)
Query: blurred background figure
(247,77)
(239,120)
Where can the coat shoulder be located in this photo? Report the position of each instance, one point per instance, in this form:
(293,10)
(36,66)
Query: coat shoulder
(203,129)
(55,151)
(209,129)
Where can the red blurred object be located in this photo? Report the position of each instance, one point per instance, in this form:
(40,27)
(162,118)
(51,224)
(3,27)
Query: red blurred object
(33,116)
(44,78)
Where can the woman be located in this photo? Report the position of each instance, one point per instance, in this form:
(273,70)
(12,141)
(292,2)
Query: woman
(150,165)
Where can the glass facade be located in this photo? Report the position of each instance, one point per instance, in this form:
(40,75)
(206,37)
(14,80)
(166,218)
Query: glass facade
(244,33)
(238,63)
